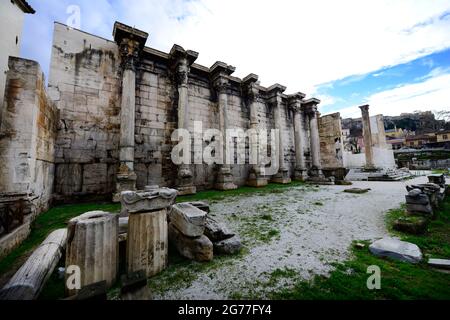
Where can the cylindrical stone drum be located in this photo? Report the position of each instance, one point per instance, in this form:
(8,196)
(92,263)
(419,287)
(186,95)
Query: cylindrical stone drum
(92,245)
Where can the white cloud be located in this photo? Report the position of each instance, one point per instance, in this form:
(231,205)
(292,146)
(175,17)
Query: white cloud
(432,93)
(300,44)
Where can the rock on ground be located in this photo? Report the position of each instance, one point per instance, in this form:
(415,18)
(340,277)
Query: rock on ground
(396,249)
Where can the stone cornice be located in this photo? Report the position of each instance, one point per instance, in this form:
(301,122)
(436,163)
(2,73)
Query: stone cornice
(310,105)
(122,31)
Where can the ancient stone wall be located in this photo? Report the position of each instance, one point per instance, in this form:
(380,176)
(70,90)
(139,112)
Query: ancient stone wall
(27,135)
(84,82)
(331,144)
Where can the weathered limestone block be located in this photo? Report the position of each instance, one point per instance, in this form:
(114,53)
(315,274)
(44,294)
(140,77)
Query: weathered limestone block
(147,242)
(396,249)
(188,219)
(123,225)
(201,205)
(216,231)
(438,179)
(420,199)
(29,280)
(149,200)
(198,249)
(419,209)
(439,263)
(412,225)
(93,246)
(228,246)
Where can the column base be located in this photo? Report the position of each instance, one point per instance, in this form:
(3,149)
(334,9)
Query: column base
(316,176)
(225,180)
(257,182)
(282,177)
(125,181)
(300,175)
(186,190)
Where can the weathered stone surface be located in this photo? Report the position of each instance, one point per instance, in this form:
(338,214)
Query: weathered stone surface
(201,205)
(419,208)
(228,246)
(396,249)
(188,219)
(414,193)
(93,246)
(147,242)
(439,263)
(123,225)
(134,286)
(413,225)
(216,231)
(198,249)
(438,179)
(356,190)
(28,281)
(145,201)
(420,199)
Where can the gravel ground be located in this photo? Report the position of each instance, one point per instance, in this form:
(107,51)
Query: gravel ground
(312,227)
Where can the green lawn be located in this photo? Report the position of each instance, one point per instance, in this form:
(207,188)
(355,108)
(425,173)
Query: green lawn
(44,224)
(399,280)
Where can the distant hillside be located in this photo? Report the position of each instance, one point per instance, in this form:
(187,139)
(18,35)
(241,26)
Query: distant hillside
(421,122)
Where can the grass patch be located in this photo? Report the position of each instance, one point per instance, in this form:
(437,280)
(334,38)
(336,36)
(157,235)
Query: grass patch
(47,222)
(182,272)
(221,195)
(399,280)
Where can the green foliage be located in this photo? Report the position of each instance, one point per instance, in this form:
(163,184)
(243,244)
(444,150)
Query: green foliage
(47,222)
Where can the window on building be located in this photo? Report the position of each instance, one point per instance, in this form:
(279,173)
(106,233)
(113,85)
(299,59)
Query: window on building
(445,137)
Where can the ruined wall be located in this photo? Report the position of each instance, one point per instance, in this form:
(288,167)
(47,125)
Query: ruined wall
(84,82)
(27,135)
(331,144)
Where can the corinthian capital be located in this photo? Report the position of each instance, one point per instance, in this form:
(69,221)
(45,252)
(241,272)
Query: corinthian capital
(220,84)
(295,101)
(180,63)
(130,41)
(129,53)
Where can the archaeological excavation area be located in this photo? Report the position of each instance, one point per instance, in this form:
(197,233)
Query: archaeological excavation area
(93,206)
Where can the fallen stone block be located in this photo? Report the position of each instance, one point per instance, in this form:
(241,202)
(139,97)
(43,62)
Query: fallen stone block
(201,205)
(421,199)
(438,179)
(216,231)
(188,219)
(356,190)
(198,248)
(412,225)
(439,263)
(134,286)
(228,246)
(419,209)
(396,249)
(413,193)
(146,201)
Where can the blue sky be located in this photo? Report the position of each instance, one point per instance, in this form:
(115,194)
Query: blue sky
(394,55)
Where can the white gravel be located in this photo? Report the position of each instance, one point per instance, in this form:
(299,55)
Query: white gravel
(311,235)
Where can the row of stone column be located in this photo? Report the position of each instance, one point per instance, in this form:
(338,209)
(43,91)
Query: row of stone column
(132,41)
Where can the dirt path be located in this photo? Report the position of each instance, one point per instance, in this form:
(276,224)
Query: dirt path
(301,230)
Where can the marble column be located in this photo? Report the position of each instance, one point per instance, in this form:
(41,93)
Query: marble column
(250,87)
(275,96)
(131,42)
(295,101)
(219,74)
(367,135)
(312,114)
(181,62)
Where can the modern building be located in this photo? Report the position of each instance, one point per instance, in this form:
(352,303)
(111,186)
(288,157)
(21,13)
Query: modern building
(12,15)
